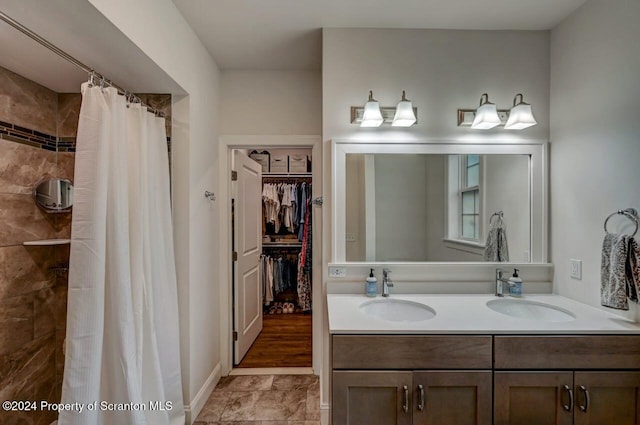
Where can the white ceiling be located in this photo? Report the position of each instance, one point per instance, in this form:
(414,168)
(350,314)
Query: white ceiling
(240,34)
(285,34)
(82,31)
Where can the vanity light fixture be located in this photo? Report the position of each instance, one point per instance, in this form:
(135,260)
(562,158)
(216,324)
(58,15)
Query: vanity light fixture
(520,116)
(404,116)
(486,115)
(372,115)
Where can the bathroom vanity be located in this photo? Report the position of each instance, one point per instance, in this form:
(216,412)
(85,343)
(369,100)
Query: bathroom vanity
(479,359)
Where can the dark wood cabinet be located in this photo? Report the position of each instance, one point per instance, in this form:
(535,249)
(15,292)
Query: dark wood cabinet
(607,398)
(525,398)
(371,398)
(484,379)
(558,398)
(597,385)
(452,397)
(418,398)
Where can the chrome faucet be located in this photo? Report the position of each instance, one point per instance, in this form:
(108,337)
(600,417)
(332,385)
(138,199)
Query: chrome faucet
(386,282)
(500,281)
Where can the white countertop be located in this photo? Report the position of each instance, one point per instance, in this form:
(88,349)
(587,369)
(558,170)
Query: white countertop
(468,314)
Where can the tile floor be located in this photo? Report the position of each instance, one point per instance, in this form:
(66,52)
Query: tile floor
(263,400)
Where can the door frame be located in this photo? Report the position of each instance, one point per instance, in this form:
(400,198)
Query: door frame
(225,146)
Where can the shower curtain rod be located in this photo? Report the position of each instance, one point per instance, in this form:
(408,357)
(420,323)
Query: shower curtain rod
(92,72)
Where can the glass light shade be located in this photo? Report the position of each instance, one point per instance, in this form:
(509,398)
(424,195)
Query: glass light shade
(520,117)
(404,116)
(486,117)
(372,117)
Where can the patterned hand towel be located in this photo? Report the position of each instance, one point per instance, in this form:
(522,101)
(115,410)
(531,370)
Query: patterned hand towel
(613,277)
(496,248)
(633,270)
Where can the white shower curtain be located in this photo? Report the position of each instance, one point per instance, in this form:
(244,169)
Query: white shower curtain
(122,363)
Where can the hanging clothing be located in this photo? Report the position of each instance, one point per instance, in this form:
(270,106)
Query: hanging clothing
(304,263)
(122,333)
(266,267)
(303,210)
(271,201)
(284,205)
(279,275)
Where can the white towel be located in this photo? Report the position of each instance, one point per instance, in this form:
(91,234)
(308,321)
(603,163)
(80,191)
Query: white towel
(613,276)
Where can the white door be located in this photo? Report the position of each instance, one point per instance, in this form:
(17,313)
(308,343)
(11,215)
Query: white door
(247,285)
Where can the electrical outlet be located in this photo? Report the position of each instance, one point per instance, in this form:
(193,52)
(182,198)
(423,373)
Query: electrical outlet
(337,272)
(350,237)
(575,269)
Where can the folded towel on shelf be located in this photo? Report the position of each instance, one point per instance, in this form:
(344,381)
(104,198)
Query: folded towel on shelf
(496,248)
(613,274)
(633,270)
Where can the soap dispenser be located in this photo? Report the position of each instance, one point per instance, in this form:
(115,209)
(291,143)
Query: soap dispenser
(371,286)
(515,285)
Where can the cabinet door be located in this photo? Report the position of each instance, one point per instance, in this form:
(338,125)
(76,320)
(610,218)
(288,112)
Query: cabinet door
(371,398)
(540,398)
(607,398)
(452,397)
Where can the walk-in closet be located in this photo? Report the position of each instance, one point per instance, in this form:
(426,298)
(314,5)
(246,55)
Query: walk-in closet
(276,184)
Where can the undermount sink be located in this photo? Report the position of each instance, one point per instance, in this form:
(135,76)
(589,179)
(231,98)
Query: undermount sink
(531,310)
(398,310)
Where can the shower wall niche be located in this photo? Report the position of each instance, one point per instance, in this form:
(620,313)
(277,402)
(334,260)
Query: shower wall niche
(37,140)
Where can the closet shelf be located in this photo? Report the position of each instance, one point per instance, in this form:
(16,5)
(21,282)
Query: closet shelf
(264,175)
(281,245)
(46,242)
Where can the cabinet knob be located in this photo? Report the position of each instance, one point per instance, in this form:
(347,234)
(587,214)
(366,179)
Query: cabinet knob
(421,403)
(568,407)
(405,399)
(586,399)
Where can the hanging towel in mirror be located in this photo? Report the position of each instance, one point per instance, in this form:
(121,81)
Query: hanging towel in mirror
(633,270)
(496,248)
(613,276)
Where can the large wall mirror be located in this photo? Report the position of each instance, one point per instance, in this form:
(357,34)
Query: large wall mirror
(439,202)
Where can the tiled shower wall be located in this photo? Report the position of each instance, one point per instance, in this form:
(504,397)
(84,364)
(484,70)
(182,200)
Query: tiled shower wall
(37,140)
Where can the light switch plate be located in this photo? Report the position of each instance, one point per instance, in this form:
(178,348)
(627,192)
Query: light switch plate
(575,269)
(337,272)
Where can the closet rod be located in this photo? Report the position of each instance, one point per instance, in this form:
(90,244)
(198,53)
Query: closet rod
(55,49)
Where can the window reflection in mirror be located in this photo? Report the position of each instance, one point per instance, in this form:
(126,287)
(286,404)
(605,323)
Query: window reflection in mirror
(436,207)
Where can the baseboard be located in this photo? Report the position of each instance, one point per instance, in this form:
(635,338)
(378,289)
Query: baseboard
(325,414)
(193,409)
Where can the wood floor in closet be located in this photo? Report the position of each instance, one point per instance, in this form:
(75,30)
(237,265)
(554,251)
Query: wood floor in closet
(285,341)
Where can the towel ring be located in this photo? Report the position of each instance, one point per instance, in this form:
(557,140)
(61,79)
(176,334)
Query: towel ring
(625,213)
(499,214)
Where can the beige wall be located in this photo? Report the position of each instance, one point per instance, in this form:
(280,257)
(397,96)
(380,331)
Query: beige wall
(270,102)
(595,134)
(441,71)
(355,207)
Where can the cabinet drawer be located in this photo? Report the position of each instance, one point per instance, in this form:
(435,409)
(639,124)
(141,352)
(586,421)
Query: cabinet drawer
(567,352)
(411,352)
